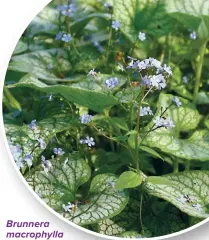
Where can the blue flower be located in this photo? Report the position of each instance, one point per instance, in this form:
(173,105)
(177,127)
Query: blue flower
(32,125)
(59,151)
(145,111)
(115,25)
(177,101)
(193,35)
(185,79)
(58,36)
(89,141)
(28,159)
(111,82)
(161,122)
(46,164)
(142,36)
(66,38)
(42,143)
(85,118)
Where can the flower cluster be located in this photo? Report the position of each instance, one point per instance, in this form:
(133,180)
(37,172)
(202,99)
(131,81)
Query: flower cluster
(67,10)
(115,25)
(88,140)
(65,37)
(58,151)
(157,72)
(177,101)
(111,82)
(164,122)
(145,111)
(85,118)
(69,207)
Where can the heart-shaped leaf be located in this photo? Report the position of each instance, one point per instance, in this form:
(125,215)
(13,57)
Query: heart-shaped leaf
(185,118)
(103,201)
(188,191)
(43,64)
(89,98)
(193,14)
(148,16)
(61,183)
(128,179)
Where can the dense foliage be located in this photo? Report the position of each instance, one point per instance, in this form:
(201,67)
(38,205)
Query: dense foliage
(106,113)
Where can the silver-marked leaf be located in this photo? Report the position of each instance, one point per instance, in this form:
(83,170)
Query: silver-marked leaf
(141,15)
(85,97)
(60,185)
(46,22)
(43,64)
(189,192)
(103,202)
(20,47)
(131,234)
(185,118)
(46,129)
(193,14)
(158,218)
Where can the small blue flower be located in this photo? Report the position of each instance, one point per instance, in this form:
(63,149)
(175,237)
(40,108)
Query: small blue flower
(28,159)
(66,38)
(59,151)
(32,125)
(193,35)
(89,141)
(142,36)
(46,164)
(145,111)
(58,36)
(177,101)
(115,25)
(42,143)
(145,81)
(111,82)
(161,122)
(85,118)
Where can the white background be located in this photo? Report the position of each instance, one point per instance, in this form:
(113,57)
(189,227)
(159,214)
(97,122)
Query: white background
(17,203)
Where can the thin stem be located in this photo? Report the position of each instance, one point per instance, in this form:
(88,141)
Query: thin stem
(175,166)
(137,132)
(140,210)
(199,72)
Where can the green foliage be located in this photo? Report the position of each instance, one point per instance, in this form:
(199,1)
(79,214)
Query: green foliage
(128,180)
(105,109)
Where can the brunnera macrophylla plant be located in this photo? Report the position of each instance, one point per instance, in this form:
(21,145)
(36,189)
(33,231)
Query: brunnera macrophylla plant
(106,113)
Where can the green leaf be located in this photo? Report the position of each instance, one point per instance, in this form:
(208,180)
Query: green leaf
(60,185)
(128,179)
(91,99)
(185,118)
(80,24)
(119,123)
(38,62)
(130,234)
(158,218)
(46,22)
(103,202)
(158,180)
(47,128)
(142,15)
(193,14)
(151,151)
(189,192)
(20,47)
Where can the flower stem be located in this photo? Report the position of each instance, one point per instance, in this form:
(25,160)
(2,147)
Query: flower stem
(137,131)
(199,72)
